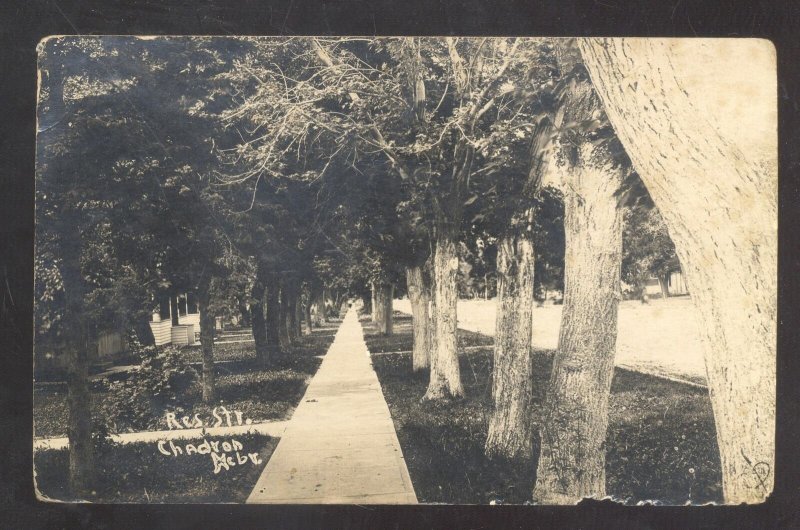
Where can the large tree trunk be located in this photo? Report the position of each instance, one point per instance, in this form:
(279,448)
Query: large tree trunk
(663,283)
(284,317)
(387,327)
(384,294)
(575,420)
(79,398)
(206,338)
(445,381)
(292,311)
(431,308)
(297,303)
(257,319)
(378,307)
(143,331)
(721,211)
(245,314)
(307,314)
(374,306)
(510,425)
(273,315)
(339,304)
(319,309)
(641,290)
(366,300)
(420,296)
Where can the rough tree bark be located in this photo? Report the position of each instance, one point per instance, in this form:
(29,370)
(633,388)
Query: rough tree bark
(374,302)
(291,312)
(575,420)
(273,315)
(510,426)
(366,300)
(641,289)
(206,337)
(244,313)
(143,331)
(445,380)
(384,294)
(663,283)
(284,339)
(297,303)
(378,307)
(420,296)
(720,208)
(79,399)
(257,318)
(320,308)
(307,314)
(431,308)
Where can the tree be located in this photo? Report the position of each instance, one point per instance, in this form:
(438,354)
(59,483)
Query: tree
(67,205)
(384,294)
(507,210)
(720,207)
(348,94)
(259,325)
(510,429)
(647,249)
(591,167)
(419,295)
(110,169)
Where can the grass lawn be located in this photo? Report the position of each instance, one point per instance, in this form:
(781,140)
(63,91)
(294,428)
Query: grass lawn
(261,395)
(661,337)
(661,438)
(139,473)
(402,340)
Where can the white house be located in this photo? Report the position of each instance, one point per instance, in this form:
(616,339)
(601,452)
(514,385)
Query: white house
(676,284)
(187,329)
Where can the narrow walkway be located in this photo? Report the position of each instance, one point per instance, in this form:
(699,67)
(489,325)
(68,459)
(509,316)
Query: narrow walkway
(340,445)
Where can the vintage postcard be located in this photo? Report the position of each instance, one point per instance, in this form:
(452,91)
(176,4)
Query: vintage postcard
(400,270)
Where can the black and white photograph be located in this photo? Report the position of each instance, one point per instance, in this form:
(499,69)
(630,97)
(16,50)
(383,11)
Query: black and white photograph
(405,270)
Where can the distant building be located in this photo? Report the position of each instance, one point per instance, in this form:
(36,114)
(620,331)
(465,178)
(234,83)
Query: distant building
(177,321)
(675,285)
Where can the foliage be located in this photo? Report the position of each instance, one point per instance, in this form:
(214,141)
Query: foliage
(161,381)
(259,394)
(122,160)
(414,116)
(647,249)
(661,442)
(546,222)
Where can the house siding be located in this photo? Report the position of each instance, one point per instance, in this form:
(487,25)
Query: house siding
(162,332)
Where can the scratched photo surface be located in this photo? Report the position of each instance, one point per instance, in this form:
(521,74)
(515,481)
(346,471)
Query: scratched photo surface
(405,270)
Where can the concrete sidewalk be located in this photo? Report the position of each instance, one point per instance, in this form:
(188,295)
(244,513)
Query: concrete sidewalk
(340,445)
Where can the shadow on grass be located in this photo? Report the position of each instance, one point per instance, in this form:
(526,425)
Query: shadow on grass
(242,384)
(139,473)
(661,440)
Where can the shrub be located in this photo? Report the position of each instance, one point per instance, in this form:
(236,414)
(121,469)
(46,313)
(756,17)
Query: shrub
(160,381)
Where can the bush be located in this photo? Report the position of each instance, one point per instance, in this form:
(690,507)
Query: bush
(162,378)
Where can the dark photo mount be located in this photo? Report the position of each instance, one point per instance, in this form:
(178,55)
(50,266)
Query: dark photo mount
(41,19)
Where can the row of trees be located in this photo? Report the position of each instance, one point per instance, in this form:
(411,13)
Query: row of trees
(128,215)
(372,166)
